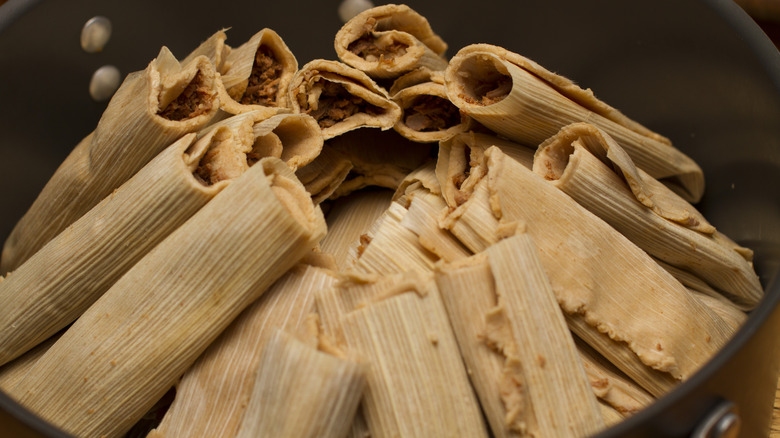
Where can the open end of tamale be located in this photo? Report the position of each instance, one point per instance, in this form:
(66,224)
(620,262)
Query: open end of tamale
(335,104)
(263,85)
(372,48)
(484,80)
(428,113)
(195,99)
(555,159)
(222,160)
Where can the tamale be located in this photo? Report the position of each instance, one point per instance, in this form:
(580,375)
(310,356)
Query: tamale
(389,40)
(129,347)
(151,109)
(294,379)
(521,100)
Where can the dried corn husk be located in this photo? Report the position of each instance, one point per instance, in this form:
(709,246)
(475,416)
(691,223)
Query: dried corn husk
(524,102)
(612,386)
(214,48)
(294,138)
(428,115)
(323,176)
(463,154)
(389,40)
(378,158)
(15,370)
(643,210)
(225,374)
(341,98)
(129,347)
(614,295)
(348,219)
(424,209)
(522,359)
(83,262)
(399,326)
(256,76)
(302,392)
(728,312)
(151,110)
(389,247)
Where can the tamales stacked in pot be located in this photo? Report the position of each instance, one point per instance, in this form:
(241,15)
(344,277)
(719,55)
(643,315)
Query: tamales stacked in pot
(389,244)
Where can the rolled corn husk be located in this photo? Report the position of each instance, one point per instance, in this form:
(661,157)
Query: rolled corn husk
(15,370)
(302,392)
(424,209)
(149,111)
(614,295)
(256,76)
(213,48)
(349,218)
(378,158)
(521,100)
(323,176)
(513,336)
(225,374)
(390,247)
(428,115)
(587,164)
(294,138)
(83,262)
(728,312)
(610,385)
(399,326)
(389,40)
(132,345)
(462,155)
(341,98)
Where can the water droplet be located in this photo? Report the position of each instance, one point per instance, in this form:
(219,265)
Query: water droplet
(95,34)
(105,81)
(349,8)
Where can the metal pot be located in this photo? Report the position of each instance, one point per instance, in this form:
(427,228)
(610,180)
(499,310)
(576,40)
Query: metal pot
(698,71)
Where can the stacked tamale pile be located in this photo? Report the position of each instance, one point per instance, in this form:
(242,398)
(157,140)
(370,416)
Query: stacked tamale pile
(389,244)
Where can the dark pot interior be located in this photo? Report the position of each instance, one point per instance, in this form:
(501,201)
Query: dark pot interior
(699,72)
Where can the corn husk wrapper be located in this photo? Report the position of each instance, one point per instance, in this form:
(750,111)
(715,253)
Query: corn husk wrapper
(124,353)
(292,379)
(522,359)
(428,115)
(399,326)
(149,111)
(389,247)
(612,387)
(341,98)
(521,100)
(215,392)
(15,370)
(463,154)
(420,194)
(256,76)
(348,219)
(83,262)
(323,176)
(378,158)
(213,48)
(728,312)
(294,138)
(614,295)
(389,40)
(580,159)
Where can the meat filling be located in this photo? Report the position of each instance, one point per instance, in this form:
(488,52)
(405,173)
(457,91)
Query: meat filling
(336,104)
(263,86)
(431,113)
(367,46)
(194,100)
